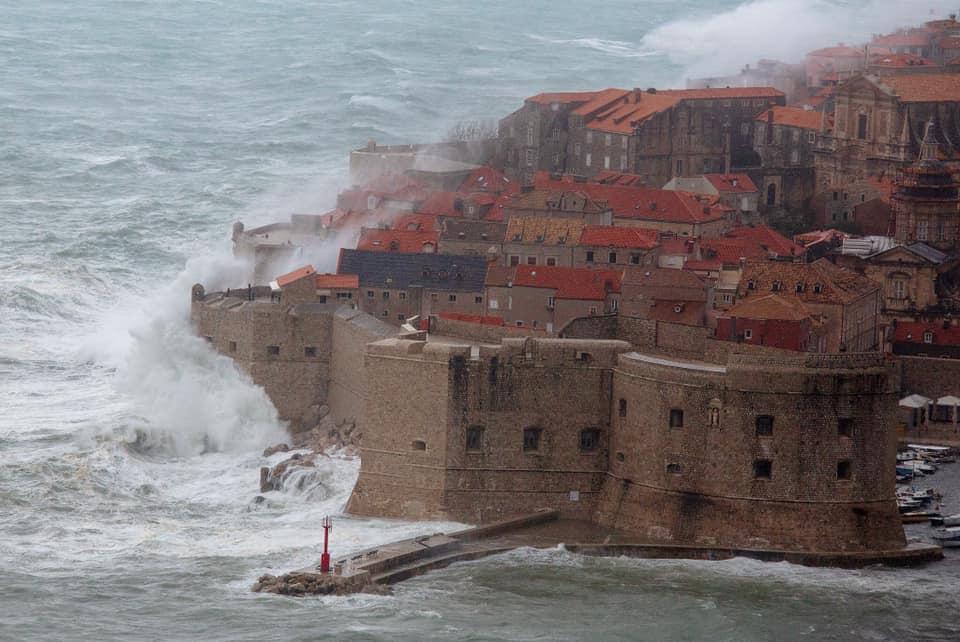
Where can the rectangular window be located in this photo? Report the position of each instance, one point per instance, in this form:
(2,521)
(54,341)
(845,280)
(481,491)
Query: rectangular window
(478,299)
(369,294)
(844,469)
(514,260)
(635,259)
(762,469)
(452,298)
(862,126)
(474,438)
(322,299)
(624,141)
(587,159)
(606,162)
(386,313)
(402,295)
(845,427)
(531,439)
(233,346)
(589,440)
(811,137)
(434,296)
(310,351)
(679,171)
(273,351)
(612,257)
(922,230)
(551,302)
(623,407)
(764,426)
(623,162)
(531,157)
(748,334)
(576,149)
(589,138)
(400,317)
(551,261)
(386,294)
(349,295)
(676,418)
(531,260)
(589,256)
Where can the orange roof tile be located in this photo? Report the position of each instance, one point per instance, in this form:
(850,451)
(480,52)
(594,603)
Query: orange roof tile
(770,306)
(569,283)
(767,239)
(900,61)
(913,331)
(626,115)
(792,117)
(625,237)
(291,277)
(562,97)
(405,241)
(836,52)
(723,92)
(543,230)
(925,88)
(416,222)
(740,183)
(911,38)
(488,179)
(601,100)
(338,281)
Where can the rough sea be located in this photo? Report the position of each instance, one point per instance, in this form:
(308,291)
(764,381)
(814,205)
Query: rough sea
(133,133)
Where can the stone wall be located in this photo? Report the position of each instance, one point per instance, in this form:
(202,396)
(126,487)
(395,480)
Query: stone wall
(930,377)
(479,332)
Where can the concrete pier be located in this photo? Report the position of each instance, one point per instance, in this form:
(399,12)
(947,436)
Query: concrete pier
(397,561)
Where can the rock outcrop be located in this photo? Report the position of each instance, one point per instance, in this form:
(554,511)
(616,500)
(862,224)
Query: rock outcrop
(299,584)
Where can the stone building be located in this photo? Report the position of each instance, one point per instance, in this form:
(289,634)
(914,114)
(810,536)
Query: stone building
(468,237)
(395,287)
(925,204)
(663,294)
(879,123)
(786,453)
(375,239)
(785,138)
(656,134)
(774,321)
(831,65)
(547,298)
(847,303)
(736,191)
(602,246)
(568,203)
(540,241)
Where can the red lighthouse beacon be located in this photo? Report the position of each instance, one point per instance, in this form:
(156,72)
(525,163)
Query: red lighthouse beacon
(325,558)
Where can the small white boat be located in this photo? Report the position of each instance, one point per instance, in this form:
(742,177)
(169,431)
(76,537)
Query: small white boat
(948,537)
(919,466)
(947,520)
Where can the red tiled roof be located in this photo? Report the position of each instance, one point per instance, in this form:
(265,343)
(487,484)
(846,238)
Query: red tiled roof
(441,204)
(416,222)
(569,283)
(740,183)
(473,318)
(925,87)
(626,115)
(792,117)
(913,331)
(949,42)
(912,38)
(404,241)
(900,61)
(338,281)
(643,203)
(488,179)
(625,237)
(600,101)
(291,277)
(706,265)
(619,178)
(767,238)
(495,213)
(723,92)
(770,306)
(729,251)
(562,97)
(678,246)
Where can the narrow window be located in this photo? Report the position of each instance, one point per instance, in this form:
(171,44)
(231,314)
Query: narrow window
(587,160)
(623,407)
(845,427)
(748,334)
(928,337)
(434,296)
(714,416)
(452,298)
(531,260)
(233,346)
(402,295)
(273,351)
(843,469)
(635,259)
(322,299)
(310,351)
(762,469)
(589,440)
(551,261)
(400,317)
(862,126)
(612,257)
(676,418)
(531,439)
(589,256)
(478,299)
(386,313)
(674,469)
(418,444)
(475,438)
(369,294)
(514,260)
(386,295)
(551,302)
(764,426)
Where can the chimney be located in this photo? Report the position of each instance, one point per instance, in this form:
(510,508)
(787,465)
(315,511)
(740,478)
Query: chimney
(371,145)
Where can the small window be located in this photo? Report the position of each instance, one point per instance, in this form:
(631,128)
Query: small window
(777,286)
(434,296)
(612,257)
(844,469)
(310,351)
(751,285)
(402,295)
(676,418)
(233,346)
(928,337)
(386,313)
(620,456)
(452,298)
(418,444)
(349,295)
(369,294)
(623,407)
(273,351)
(531,260)
(748,334)
(800,287)
(531,439)
(475,438)
(478,299)
(714,416)
(551,302)
(322,299)
(762,469)
(817,288)
(635,259)
(589,440)
(551,261)
(400,317)
(514,260)
(589,256)
(764,426)
(845,427)
(386,295)
(674,469)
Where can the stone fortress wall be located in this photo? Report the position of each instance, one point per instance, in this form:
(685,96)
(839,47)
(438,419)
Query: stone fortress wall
(450,442)
(664,448)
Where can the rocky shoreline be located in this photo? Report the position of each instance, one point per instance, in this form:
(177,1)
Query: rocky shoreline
(299,584)
(326,436)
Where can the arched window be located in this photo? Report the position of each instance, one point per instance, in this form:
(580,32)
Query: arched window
(771,194)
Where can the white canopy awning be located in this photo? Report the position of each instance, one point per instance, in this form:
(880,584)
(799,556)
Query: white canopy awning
(949,400)
(915,401)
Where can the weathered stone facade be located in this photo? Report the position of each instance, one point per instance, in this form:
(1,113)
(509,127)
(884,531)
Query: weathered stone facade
(762,451)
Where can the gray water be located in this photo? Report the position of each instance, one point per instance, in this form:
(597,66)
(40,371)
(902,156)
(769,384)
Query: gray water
(132,135)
